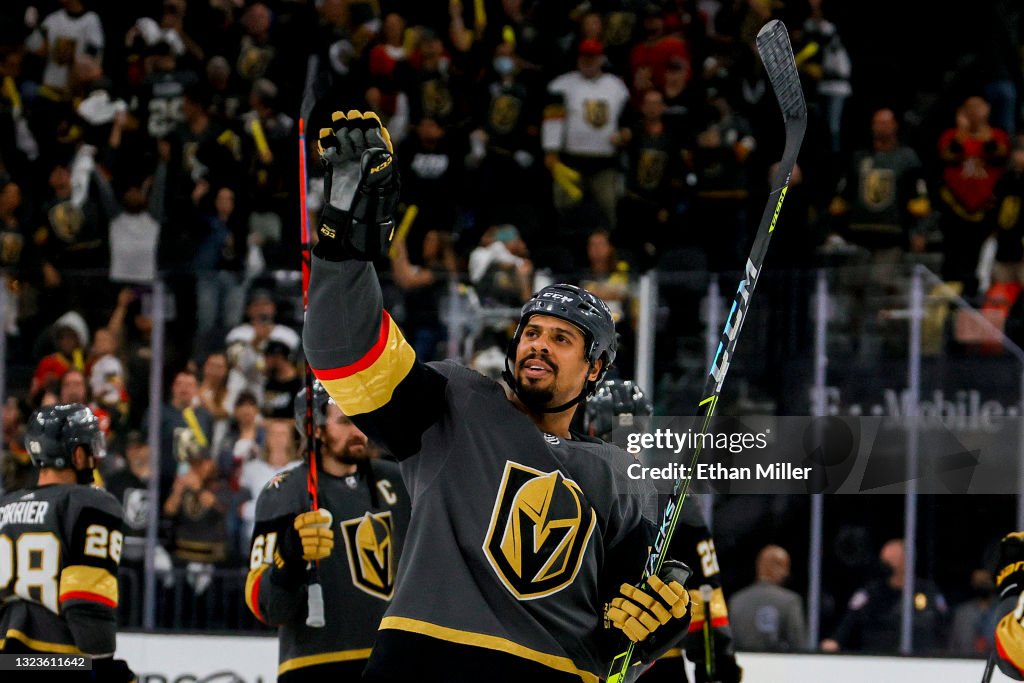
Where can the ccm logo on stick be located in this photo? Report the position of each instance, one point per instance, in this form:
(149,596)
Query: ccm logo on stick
(733,324)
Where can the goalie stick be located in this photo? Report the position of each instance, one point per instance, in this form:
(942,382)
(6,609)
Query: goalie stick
(777,55)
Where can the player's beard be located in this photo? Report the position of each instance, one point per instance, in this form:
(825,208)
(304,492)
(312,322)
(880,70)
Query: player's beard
(352,452)
(533,396)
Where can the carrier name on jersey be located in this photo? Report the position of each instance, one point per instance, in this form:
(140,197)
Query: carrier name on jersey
(23,512)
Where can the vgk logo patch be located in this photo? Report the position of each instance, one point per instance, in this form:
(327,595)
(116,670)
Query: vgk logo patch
(878,188)
(539,531)
(370,553)
(505,113)
(595,112)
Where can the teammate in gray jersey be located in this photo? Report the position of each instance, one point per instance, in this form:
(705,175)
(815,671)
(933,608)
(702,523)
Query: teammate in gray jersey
(356,536)
(60,544)
(617,403)
(525,537)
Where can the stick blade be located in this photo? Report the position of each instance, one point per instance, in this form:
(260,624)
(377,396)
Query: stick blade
(777,54)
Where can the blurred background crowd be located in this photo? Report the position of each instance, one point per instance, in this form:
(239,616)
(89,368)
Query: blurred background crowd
(560,140)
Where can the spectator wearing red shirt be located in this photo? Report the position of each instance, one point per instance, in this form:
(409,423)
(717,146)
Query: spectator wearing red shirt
(974,154)
(649,59)
(69,337)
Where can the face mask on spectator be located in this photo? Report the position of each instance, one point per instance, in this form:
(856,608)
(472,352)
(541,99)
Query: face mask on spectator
(504,65)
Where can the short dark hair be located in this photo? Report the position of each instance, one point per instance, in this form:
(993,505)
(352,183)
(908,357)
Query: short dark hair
(247,397)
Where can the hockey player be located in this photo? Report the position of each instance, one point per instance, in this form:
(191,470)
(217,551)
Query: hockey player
(613,403)
(364,512)
(60,544)
(1009,636)
(524,534)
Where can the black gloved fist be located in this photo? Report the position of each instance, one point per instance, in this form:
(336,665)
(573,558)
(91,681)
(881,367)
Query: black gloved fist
(361,188)
(1010,578)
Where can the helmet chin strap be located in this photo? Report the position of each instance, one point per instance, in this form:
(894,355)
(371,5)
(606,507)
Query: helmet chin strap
(513,384)
(85,475)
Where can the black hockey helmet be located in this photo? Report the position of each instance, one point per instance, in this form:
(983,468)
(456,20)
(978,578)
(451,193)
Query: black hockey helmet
(584,311)
(54,432)
(320,400)
(614,401)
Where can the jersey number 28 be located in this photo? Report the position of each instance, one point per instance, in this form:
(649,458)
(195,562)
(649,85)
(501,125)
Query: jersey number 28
(34,563)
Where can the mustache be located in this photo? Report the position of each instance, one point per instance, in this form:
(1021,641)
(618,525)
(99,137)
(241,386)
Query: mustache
(542,358)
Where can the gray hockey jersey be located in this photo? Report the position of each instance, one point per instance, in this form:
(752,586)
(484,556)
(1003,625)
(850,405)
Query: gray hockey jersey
(370,510)
(517,538)
(60,546)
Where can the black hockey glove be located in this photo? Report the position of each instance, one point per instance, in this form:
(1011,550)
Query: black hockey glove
(726,671)
(361,188)
(1010,579)
(644,612)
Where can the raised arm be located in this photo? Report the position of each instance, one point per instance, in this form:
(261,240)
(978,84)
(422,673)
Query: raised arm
(354,347)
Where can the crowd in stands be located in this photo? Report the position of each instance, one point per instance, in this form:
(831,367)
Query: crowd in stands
(585,140)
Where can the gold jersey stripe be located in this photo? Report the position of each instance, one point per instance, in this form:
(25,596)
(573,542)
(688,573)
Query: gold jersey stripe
(79,578)
(252,590)
(324,658)
(371,388)
(1010,641)
(719,609)
(38,645)
(488,642)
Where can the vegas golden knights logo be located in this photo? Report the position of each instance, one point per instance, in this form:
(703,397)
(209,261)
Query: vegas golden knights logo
(595,112)
(619,28)
(437,100)
(505,113)
(539,531)
(651,168)
(370,553)
(878,188)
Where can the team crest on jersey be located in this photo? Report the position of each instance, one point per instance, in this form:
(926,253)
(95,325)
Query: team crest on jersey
(539,531)
(505,113)
(595,112)
(66,220)
(437,99)
(370,553)
(136,508)
(651,168)
(277,479)
(619,27)
(878,188)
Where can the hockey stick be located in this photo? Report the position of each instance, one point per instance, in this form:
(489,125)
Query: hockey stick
(314,593)
(990,667)
(777,54)
(706,594)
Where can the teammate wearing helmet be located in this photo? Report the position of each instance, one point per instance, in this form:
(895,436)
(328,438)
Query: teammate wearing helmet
(616,403)
(356,536)
(60,544)
(525,536)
